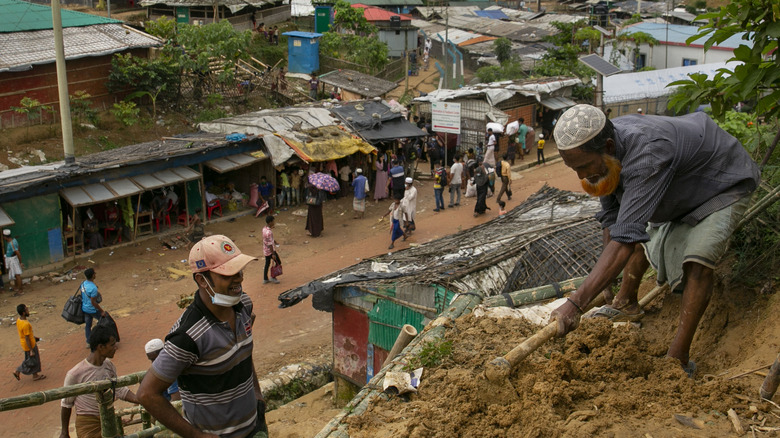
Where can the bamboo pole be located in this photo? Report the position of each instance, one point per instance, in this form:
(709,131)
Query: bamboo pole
(41,397)
(397,301)
(105,399)
(534,294)
(408,332)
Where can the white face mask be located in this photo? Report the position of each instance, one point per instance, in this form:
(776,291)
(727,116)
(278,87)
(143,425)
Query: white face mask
(221,299)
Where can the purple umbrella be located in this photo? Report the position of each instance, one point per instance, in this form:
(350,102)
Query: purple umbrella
(324,182)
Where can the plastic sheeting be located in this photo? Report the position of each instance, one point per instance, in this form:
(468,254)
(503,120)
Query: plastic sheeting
(497,92)
(326,143)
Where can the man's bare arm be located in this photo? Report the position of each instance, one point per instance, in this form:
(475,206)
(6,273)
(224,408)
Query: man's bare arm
(150,396)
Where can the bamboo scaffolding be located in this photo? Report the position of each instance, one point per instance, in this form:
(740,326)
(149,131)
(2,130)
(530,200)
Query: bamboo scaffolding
(534,294)
(41,397)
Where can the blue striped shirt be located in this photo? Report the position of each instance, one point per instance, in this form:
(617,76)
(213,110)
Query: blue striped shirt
(674,169)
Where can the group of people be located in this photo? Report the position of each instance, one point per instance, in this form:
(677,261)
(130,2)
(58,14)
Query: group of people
(271,34)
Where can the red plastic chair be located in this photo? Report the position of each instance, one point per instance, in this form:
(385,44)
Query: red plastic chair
(166,218)
(182,219)
(217,206)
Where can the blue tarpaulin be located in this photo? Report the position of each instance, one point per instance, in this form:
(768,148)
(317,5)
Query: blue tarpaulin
(496,15)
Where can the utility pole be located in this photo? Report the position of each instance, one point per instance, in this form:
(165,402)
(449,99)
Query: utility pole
(444,46)
(62,84)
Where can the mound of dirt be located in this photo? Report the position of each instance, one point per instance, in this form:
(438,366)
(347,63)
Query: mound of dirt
(598,381)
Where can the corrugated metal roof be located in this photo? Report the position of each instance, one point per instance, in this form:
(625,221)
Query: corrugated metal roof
(678,34)
(21,50)
(372,13)
(493,14)
(388,2)
(233,5)
(562,18)
(19,16)
(626,87)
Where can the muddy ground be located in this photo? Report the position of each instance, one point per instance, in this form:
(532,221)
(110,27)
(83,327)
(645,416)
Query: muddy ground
(598,381)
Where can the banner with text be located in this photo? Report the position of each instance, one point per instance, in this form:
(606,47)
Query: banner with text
(445,117)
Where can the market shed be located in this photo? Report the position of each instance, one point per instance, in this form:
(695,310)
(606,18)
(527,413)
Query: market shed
(376,121)
(27,58)
(49,203)
(550,238)
(357,86)
(310,134)
(501,102)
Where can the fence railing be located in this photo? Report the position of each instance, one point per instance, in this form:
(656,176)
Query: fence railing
(110,419)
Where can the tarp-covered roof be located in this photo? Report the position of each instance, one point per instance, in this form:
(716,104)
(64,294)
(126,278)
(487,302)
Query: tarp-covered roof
(358,83)
(626,87)
(400,3)
(326,143)
(301,8)
(497,92)
(282,121)
(376,121)
(20,16)
(233,5)
(494,14)
(21,50)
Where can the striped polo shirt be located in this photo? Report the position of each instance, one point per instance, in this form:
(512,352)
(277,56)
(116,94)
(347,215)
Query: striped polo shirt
(213,367)
(674,169)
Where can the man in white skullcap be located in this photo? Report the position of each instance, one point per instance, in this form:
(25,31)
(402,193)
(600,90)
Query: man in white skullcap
(672,191)
(152,349)
(360,188)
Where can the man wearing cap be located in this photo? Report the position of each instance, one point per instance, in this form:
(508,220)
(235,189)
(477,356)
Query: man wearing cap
(672,191)
(152,350)
(359,186)
(13,261)
(209,353)
(456,180)
(409,205)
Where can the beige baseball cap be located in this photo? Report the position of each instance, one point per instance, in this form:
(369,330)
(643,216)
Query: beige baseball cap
(218,254)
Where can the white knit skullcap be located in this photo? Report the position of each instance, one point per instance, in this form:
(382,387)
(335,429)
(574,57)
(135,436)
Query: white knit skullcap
(577,125)
(6,232)
(409,180)
(153,345)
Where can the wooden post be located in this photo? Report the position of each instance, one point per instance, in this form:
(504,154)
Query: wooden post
(137,210)
(105,401)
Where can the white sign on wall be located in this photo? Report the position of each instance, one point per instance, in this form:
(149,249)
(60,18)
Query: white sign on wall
(445,117)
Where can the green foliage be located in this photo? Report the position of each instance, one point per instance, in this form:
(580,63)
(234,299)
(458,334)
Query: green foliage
(503,49)
(565,32)
(562,61)
(583,92)
(635,18)
(130,73)
(349,19)
(213,109)
(589,35)
(126,113)
(508,71)
(163,28)
(633,40)
(268,53)
(368,51)
(31,108)
(431,354)
(214,40)
(81,108)
(757,77)
(152,96)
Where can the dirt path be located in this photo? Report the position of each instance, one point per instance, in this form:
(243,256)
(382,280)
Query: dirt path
(138,291)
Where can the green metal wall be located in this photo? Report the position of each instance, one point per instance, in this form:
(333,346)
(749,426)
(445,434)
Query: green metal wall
(386,320)
(34,218)
(194,196)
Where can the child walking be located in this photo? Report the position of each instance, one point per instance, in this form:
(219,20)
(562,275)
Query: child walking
(540,150)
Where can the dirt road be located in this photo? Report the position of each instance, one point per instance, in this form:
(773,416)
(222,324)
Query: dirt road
(140,294)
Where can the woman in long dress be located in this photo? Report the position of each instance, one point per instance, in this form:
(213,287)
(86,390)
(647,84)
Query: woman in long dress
(314,222)
(481,181)
(380,184)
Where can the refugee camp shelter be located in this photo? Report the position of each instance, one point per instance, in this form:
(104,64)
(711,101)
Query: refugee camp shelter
(395,30)
(45,206)
(376,121)
(624,93)
(303,51)
(237,12)
(295,134)
(398,6)
(550,238)
(503,102)
(354,85)
(27,58)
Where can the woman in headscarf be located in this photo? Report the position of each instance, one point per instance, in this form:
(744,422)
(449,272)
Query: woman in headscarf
(481,181)
(380,183)
(314,221)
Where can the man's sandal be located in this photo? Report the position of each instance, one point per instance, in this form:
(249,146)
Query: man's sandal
(16,376)
(617,315)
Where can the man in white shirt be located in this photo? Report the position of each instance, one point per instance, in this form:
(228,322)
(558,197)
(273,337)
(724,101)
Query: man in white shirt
(490,151)
(456,180)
